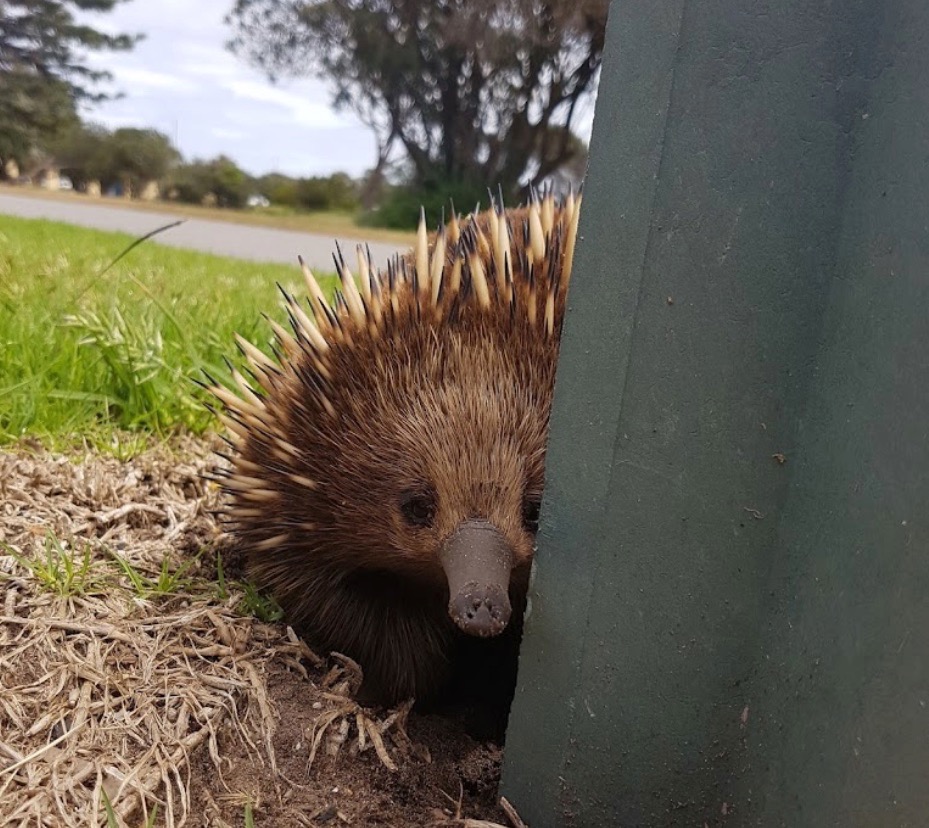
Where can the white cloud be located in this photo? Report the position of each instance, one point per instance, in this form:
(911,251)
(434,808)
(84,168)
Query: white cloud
(301,111)
(210,70)
(208,59)
(147,17)
(136,76)
(229,134)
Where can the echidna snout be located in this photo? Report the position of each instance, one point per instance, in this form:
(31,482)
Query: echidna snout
(477,561)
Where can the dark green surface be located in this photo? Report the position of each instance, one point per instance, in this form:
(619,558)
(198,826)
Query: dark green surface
(711,630)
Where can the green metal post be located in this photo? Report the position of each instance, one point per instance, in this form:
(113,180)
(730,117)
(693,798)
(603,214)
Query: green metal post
(729,621)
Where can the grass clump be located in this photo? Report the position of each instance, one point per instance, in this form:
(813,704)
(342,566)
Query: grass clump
(87,352)
(61,570)
(167,581)
(112,820)
(252,602)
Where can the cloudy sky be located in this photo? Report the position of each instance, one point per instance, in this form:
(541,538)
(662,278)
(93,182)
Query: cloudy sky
(182,81)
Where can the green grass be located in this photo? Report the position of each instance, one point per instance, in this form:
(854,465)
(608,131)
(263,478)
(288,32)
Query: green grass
(109,358)
(62,571)
(167,582)
(68,571)
(255,603)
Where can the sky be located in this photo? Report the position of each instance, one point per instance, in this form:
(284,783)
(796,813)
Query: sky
(182,81)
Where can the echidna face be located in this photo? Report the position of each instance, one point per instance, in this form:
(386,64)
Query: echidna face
(445,485)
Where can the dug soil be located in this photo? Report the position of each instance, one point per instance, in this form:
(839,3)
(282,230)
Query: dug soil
(446,774)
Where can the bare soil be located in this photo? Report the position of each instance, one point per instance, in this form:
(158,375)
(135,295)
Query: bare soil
(130,673)
(445,773)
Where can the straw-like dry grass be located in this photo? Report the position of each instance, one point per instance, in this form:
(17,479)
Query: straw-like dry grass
(116,667)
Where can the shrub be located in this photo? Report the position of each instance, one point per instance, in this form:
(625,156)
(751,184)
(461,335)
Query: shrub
(221,178)
(400,208)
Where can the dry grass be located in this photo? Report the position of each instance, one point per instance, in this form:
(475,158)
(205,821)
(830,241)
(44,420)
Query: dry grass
(119,660)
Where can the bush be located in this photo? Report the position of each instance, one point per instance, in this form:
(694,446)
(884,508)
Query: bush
(400,208)
(336,192)
(279,189)
(221,178)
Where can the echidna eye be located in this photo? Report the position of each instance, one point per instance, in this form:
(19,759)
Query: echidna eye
(418,508)
(531,507)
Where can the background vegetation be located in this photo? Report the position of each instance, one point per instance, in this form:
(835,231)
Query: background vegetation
(467,90)
(460,95)
(91,353)
(43,69)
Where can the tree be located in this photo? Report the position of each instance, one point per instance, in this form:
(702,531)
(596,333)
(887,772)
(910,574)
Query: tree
(219,179)
(43,70)
(334,192)
(280,189)
(31,108)
(137,156)
(130,157)
(83,154)
(472,90)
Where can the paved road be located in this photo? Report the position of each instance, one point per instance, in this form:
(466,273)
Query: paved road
(227,238)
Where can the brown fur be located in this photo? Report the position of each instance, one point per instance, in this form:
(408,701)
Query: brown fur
(450,400)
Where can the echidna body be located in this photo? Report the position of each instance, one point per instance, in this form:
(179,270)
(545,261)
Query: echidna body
(388,467)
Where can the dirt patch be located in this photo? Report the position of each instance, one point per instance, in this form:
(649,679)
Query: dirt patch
(439,768)
(128,674)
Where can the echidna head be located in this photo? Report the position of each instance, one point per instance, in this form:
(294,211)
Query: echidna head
(445,485)
(465,505)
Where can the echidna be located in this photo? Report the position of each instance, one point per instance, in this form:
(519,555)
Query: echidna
(388,468)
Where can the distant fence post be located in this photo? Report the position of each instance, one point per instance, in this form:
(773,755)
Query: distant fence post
(729,623)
